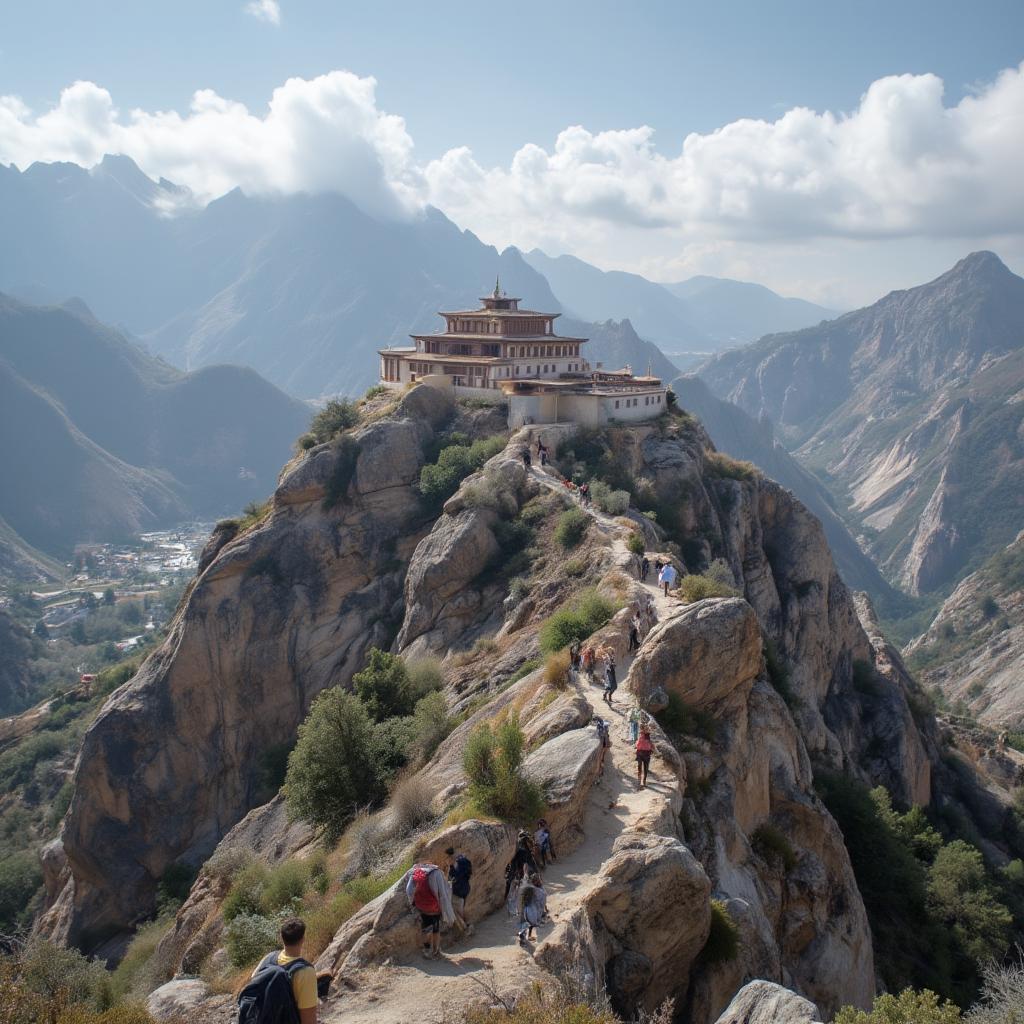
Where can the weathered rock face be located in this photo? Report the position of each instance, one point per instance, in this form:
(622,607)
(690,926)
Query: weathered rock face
(278,614)
(761,1002)
(641,925)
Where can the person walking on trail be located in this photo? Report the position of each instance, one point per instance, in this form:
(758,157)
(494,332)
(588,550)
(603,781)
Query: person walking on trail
(460,870)
(611,684)
(575,658)
(527,462)
(523,861)
(284,985)
(542,840)
(532,904)
(587,662)
(636,718)
(645,568)
(603,734)
(644,749)
(542,452)
(634,635)
(667,577)
(584,493)
(427,892)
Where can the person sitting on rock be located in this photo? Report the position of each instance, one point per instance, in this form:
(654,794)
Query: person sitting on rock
(644,749)
(532,905)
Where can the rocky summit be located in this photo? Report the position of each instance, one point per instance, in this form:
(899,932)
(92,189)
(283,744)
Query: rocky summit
(760,672)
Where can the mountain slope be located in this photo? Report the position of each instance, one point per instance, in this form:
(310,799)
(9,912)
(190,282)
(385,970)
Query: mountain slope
(21,562)
(740,311)
(122,441)
(599,295)
(616,344)
(304,289)
(911,410)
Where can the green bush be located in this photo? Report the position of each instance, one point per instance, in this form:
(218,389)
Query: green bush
(336,416)
(571,527)
(307,441)
(771,844)
(440,480)
(284,885)
(635,544)
(246,893)
(431,724)
(390,688)
(331,773)
(493,759)
(611,502)
(528,666)
(174,887)
(140,970)
(20,879)
(250,937)
(909,1007)
(723,943)
(697,587)
(576,620)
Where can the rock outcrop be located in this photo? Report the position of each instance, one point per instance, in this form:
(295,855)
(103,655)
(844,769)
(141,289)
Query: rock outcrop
(762,1002)
(280,612)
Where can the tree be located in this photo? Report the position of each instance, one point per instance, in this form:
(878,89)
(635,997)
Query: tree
(41,630)
(909,1007)
(77,632)
(331,771)
(109,597)
(390,689)
(337,415)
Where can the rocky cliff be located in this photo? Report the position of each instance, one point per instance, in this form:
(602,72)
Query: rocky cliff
(911,411)
(347,558)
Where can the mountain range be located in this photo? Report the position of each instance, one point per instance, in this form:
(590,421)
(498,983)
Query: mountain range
(106,440)
(911,411)
(701,314)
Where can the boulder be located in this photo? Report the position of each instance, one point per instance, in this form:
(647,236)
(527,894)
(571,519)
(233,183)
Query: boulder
(645,916)
(565,768)
(189,999)
(763,1002)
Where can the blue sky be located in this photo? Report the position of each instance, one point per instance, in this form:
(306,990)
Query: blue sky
(493,81)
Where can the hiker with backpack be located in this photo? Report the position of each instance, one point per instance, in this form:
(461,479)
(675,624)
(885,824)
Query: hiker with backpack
(611,684)
(587,662)
(542,838)
(523,861)
(532,904)
(644,749)
(284,988)
(635,718)
(460,870)
(575,658)
(645,568)
(526,457)
(667,576)
(427,892)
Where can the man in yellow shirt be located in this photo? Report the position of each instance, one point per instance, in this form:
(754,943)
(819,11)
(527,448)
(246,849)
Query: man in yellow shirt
(303,978)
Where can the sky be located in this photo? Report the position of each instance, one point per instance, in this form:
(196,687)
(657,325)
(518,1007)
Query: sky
(832,151)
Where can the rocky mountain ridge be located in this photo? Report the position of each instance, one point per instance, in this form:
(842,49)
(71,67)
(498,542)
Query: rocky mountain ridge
(348,557)
(910,411)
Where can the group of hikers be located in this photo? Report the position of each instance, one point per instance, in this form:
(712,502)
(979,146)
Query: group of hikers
(664,572)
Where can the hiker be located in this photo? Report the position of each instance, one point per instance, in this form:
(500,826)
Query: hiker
(526,458)
(574,658)
(523,860)
(604,737)
(426,892)
(587,662)
(584,493)
(644,749)
(284,986)
(667,576)
(645,568)
(542,838)
(635,718)
(634,635)
(460,870)
(542,452)
(532,904)
(611,684)
(658,566)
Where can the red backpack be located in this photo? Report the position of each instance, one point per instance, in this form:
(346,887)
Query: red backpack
(423,896)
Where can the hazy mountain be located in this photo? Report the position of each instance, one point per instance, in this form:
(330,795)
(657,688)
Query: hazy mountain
(115,441)
(615,344)
(743,437)
(599,295)
(911,410)
(701,314)
(22,562)
(738,311)
(304,289)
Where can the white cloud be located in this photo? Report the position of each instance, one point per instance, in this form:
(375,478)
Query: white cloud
(265,10)
(902,166)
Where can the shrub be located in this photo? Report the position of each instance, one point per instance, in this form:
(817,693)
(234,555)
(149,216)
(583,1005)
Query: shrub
(439,480)
(572,525)
(575,567)
(611,502)
(374,391)
(51,971)
(306,442)
(577,620)
(696,587)
(140,971)
(331,773)
(771,843)
(20,879)
(492,759)
(410,803)
(285,884)
(518,590)
(383,686)
(909,1007)
(989,607)
(528,666)
(174,887)
(337,415)
(431,723)
(246,893)
(720,466)
(250,937)
(635,544)
(723,942)
(556,669)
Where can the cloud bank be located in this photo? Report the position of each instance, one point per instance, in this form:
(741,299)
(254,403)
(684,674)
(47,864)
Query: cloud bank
(265,10)
(902,165)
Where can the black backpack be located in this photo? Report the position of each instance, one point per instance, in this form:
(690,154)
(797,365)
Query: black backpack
(268,998)
(461,872)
